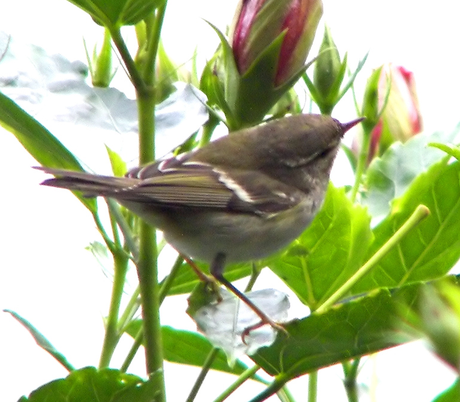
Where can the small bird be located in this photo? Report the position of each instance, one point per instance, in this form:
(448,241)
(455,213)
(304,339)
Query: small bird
(238,199)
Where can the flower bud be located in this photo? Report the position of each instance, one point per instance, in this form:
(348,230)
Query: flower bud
(400,119)
(263,59)
(100,66)
(259,22)
(328,75)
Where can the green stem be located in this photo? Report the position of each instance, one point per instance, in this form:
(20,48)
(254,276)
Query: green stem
(255,272)
(163,293)
(114,209)
(208,130)
(240,380)
(130,66)
(284,395)
(147,268)
(132,352)
(350,382)
(313,386)
(361,165)
(278,383)
(112,335)
(169,280)
(108,241)
(149,288)
(420,213)
(153,45)
(130,311)
(204,371)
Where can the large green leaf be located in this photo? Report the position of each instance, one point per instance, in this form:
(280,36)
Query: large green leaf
(451,394)
(39,142)
(191,348)
(433,247)
(186,279)
(117,12)
(356,328)
(390,176)
(328,253)
(90,384)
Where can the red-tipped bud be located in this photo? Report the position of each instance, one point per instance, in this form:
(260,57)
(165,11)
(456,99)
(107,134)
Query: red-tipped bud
(259,22)
(401,117)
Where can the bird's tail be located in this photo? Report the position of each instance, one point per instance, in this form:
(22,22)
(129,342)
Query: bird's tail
(90,185)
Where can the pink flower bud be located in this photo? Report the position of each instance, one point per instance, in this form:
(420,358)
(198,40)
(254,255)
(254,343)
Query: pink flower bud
(259,22)
(401,117)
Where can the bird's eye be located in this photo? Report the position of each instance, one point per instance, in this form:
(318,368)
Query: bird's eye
(324,153)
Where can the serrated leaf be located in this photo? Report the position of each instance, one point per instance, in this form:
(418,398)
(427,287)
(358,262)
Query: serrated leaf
(328,253)
(356,328)
(433,247)
(191,348)
(389,177)
(90,384)
(39,142)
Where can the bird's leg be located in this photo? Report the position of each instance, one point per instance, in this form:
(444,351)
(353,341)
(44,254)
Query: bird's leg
(208,280)
(217,269)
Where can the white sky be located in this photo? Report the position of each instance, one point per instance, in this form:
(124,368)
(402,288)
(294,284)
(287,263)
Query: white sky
(48,277)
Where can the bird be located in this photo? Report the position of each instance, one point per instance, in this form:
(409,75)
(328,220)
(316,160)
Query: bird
(240,198)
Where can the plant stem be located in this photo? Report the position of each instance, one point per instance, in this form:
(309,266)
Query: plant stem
(204,371)
(132,352)
(130,310)
(240,380)
(111,331)
(208,130)
(313,386)
(130,66)
(350,382)
(148,283)
(420,213)
(272,389)
(114,209)
(153,42)
(147,268)
(361,165)
(169,280)
(140,335)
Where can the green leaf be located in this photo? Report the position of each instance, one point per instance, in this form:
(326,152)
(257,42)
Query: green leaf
(389,177)
(117,12)
(328,253)
(451,394)
(430,250)
(41,340)
(447,148)
(356,328)
(90,384)
(352,78)
(186,279)
(371,101)
(212,86)
(39,142)
(191,348)
(117,163)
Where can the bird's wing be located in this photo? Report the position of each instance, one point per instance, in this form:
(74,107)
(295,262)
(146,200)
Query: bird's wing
(186,184)
(195,184)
